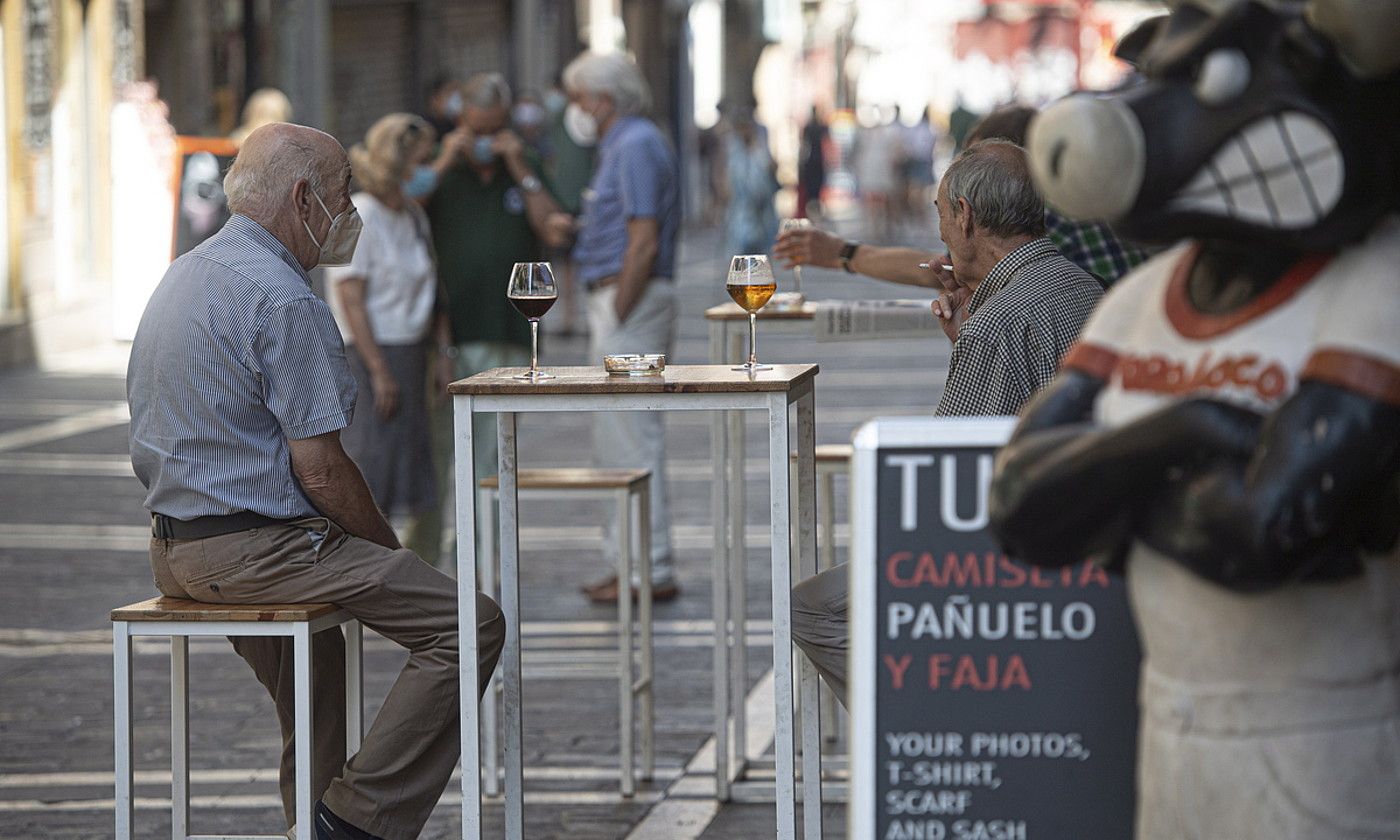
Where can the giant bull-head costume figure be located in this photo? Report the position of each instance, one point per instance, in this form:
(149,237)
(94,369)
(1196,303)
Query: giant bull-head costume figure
(1229,424)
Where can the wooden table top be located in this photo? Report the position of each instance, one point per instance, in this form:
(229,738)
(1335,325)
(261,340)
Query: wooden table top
(732,312)
(676,379)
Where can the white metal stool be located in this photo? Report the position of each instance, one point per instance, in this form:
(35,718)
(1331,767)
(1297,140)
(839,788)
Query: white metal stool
(832,459)
(181,619)
(631,490)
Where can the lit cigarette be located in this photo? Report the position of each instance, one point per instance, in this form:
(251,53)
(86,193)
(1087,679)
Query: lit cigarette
(927,266)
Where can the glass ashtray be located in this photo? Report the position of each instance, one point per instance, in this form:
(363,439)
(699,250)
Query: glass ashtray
(634,364)
(786,302)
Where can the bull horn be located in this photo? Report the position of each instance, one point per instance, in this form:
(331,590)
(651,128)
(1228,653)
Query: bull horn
(1365,32)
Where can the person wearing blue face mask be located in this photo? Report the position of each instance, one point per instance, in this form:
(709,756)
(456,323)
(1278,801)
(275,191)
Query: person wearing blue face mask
(388,307)
(487,213)
(444,104)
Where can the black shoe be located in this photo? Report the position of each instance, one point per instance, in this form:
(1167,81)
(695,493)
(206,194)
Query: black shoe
(331,827)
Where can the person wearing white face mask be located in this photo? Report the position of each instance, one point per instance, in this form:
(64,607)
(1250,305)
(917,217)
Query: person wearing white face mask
(626,253)
(238,389)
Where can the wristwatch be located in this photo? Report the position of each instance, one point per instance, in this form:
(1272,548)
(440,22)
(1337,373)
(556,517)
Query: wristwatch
(531,184)
(848,253)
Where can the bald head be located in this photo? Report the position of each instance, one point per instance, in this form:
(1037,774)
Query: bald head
(283,176)
(274,159)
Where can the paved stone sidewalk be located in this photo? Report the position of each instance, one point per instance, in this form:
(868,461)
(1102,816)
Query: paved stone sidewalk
(72,545)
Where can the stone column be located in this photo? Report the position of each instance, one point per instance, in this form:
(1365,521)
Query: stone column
(302,30)
(653,37)
(190,92)
(743,44)
(527,44)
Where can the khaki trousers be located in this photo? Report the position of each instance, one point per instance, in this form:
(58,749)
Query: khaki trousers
(390,786)
(821,626)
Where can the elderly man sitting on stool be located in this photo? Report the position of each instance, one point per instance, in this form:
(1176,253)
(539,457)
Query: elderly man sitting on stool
(1012,306)
(239,388)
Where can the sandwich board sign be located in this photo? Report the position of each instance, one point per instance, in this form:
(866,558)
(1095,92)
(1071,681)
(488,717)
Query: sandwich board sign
(990,699)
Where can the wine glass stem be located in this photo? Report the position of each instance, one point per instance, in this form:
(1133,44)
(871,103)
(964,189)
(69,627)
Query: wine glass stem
(534,346)
(753,339)
(797,276)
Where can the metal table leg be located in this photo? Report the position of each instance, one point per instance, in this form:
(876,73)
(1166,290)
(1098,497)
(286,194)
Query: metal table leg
(466,618)
(491,700)
(513,699)
(738,575)
(807,566)
(779,511)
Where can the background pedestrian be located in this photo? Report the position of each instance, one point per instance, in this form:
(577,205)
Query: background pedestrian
(387,306)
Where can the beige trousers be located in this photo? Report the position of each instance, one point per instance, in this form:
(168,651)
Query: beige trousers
(821,625)
(636,439)
(390,786)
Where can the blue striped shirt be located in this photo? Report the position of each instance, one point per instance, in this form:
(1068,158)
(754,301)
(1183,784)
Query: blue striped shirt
(636,178)
(233,357)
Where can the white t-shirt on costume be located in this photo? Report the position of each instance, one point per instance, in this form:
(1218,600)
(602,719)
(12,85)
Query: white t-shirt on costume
(1270,715)
(395,259)
(1334,320)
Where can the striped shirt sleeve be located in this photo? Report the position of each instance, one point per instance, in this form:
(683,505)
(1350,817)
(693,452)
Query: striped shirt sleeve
(300,360)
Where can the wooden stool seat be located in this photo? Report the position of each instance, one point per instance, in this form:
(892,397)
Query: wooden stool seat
(179,609)
(832,453)
(573,478)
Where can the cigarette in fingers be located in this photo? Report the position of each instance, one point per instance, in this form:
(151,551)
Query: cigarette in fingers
(926,266)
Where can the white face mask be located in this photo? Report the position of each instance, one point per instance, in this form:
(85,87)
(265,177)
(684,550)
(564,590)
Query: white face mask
(344,232)
(581,126)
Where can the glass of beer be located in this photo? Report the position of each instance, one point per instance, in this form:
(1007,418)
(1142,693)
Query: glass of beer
(796,224)
(751,284)
(532,292)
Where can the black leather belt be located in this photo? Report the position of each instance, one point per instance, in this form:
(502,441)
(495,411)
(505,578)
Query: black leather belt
(167,528)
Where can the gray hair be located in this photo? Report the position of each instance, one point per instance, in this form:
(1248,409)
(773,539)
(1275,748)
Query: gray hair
(486,90)
(995,179)
(256,189)
(612,75)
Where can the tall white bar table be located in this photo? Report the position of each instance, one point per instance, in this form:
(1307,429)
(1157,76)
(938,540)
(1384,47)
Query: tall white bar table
(715,388)
(728,334)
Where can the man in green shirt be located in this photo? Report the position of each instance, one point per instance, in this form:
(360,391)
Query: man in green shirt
(487,213)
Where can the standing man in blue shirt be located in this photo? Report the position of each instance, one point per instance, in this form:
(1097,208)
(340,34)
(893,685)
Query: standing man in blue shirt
(626,255)
(239,388)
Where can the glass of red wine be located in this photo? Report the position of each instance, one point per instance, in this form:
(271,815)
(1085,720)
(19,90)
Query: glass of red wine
(532,292)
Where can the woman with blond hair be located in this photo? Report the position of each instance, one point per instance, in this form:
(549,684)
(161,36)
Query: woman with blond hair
(387,303)
(264,106)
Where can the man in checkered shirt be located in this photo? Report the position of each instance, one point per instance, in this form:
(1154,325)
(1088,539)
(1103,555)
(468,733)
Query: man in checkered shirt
(1012,306)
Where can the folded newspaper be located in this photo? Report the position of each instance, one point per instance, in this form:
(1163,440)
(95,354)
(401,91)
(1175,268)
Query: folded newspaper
(846,320)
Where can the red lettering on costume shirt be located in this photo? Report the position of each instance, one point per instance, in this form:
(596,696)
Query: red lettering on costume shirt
(1267,380)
